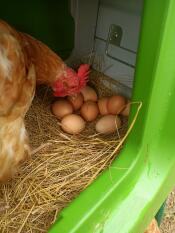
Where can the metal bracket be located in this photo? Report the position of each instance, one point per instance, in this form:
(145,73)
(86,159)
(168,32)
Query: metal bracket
(115,35)
(114,38)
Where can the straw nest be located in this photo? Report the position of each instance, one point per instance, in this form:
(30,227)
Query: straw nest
(61,166)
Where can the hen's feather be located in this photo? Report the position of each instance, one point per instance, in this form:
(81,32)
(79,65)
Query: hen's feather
(49,66)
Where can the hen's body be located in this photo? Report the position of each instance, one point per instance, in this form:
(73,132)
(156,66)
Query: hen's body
(17,87)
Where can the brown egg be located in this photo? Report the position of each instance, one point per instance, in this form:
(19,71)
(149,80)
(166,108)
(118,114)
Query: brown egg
(108,124)
(76,101)
(89,94)
(102,105)
(61,108)
(126,110)
(116,104)
(89,111)
(72,124)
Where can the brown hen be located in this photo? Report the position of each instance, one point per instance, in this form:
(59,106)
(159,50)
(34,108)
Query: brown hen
(23,62)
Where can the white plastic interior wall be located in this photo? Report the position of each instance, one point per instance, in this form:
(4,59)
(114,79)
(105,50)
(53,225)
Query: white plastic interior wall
(93,19)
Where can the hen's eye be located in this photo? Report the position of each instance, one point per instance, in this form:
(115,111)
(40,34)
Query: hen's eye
(65,84)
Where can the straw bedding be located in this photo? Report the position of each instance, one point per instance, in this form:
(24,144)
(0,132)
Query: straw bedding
(61,166)
(168,221)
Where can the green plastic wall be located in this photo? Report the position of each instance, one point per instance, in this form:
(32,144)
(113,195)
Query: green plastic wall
(48,21)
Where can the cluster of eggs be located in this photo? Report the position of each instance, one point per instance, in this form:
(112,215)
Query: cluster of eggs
(88,106)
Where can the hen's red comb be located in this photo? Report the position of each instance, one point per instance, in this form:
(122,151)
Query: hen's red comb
(83,74)
(83,70)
